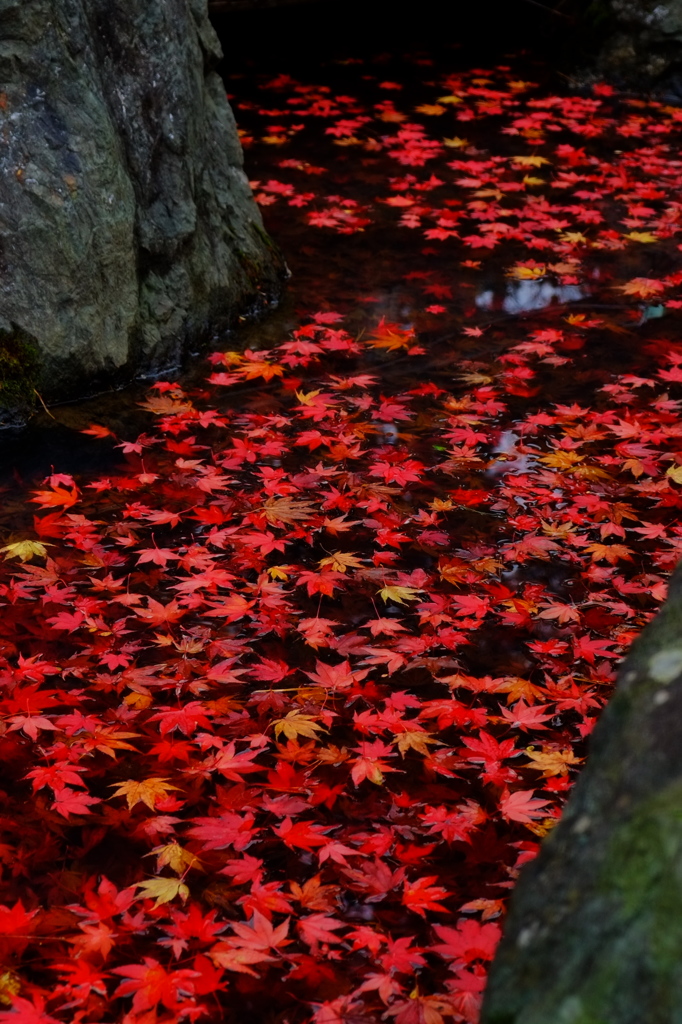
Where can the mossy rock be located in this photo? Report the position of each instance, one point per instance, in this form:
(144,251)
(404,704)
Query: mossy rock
(128,229)
(19,375)
(594,934)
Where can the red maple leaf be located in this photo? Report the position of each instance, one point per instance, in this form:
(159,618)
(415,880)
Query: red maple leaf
(521,805)
(421,895)
(150,984)
(467,941)
(157,614)
(26,1011)
(336,677)
(304,835)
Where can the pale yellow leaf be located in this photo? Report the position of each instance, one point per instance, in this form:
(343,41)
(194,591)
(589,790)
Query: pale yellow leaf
(25,550)
(552,762)
(295,724)
(646,237)
(173,856)
(163,890)
(146,792)
(529,161)
(339,561)
(399,594)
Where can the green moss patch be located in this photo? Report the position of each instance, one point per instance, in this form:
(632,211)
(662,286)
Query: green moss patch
(19,373)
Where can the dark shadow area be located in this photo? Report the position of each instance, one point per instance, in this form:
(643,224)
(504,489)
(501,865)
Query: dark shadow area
(295,35)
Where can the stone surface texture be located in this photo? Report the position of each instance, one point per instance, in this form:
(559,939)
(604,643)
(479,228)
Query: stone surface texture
(594,934)
(127,226)
(644,43)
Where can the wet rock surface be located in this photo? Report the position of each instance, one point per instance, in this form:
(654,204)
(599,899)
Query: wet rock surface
(127,226)
(591,937)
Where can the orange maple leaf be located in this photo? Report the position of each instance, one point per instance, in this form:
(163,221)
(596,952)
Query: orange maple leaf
(56,496)
(642,287)
(156,614)
(391,336)
(146,792)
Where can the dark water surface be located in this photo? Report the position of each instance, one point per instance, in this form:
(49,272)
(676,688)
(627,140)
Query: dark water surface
(471,393)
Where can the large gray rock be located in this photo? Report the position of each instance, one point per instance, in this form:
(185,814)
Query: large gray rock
(644,44)
(594,935)
(127,226)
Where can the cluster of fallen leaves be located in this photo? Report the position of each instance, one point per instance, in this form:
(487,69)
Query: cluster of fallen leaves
(289,698)
(549,193)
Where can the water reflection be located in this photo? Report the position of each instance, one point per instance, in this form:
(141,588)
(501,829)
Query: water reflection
(509,458)
(523,296)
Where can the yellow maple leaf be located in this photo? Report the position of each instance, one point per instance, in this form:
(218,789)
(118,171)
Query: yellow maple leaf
(307,397)
(455,573)
(284,510)
(575,237)
(541,828)
(332,754)
(487,564)
(530,161)
(138,700)
(561,460)
(10,986)
(473,379)
(25,550)
(517,688)
(415,740)
(560,530)
(295,724)
(610,553)
(399,594)
(642,287)
(232,358)
(430,109)
(175,857)
(592,473)
(456,143)
(339,561)
(450,99)
(522,273)
(278,572)
(530,180)
(146,792)
(675,473)
(163,890)
(646,237)
(576,319)
(552,762)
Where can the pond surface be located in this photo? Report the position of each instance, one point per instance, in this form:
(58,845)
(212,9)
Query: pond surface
(299,651)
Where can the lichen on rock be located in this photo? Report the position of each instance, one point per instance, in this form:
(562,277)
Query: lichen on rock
(594,934)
